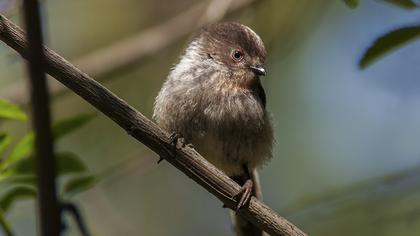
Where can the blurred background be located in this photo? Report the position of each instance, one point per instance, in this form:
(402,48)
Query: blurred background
(347,156)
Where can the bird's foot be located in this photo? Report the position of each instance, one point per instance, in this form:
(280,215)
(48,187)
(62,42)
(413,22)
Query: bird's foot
(179,142)
(176,141)
(173,138)
(244,195)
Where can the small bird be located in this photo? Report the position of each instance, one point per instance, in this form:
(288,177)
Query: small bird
(213,99)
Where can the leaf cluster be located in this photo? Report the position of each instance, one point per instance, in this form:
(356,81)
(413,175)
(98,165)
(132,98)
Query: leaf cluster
(392,39)
(17,162)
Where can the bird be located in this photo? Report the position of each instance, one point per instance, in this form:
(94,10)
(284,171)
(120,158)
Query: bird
(213,98)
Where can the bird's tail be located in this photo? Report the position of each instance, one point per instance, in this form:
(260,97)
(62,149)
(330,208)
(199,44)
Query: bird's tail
(241,226)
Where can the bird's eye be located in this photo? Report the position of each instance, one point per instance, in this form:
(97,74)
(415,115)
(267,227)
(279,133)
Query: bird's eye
(237,55)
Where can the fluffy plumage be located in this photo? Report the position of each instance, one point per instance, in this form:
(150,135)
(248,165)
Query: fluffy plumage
(216,101)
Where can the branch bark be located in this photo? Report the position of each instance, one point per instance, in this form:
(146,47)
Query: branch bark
(137,125)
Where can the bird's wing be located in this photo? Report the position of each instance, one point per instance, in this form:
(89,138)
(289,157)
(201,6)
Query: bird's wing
(260,93)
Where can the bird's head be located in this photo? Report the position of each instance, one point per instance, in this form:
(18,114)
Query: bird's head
(232,48)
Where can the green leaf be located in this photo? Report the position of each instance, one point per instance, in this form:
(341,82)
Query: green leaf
(407,4)
(23,148)
(15,193)
(69,125)
(351,3)
(79,184)
(69,163)
(24,166)
(66,163)
(5,140)
(388,42)
(11,111)
(8,181)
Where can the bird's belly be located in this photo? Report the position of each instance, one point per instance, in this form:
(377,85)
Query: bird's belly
(230,148)
(230,130)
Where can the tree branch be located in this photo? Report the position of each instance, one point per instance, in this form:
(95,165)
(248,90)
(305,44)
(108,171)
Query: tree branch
(137,125)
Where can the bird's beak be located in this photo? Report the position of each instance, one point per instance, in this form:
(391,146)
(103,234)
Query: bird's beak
(258,70)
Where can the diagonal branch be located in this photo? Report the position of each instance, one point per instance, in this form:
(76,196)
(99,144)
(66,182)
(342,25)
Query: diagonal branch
(137,125)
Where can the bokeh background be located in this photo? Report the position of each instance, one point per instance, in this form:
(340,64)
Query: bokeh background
(347,156)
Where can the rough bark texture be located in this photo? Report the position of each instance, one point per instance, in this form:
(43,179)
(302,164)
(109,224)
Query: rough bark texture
(185,158)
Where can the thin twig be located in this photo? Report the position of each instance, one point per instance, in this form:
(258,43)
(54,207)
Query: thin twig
(48,207)
(186,159)
(74,211)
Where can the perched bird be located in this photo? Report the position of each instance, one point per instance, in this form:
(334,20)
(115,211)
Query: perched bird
(214,99)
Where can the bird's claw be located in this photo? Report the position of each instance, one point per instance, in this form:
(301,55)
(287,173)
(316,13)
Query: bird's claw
(178,142)
(244,195)
(173,138)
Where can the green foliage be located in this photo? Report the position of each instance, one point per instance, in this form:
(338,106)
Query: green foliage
(407,4)
(23,148)
(9,110)
(66,126)
(351,3)
(17,180)
(14,193)
(69,163)
(66,163)
(17,170)
(387,43)
(26,145)
(391,40)
(79,184)
(5,140)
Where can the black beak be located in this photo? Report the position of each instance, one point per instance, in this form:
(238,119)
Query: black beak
(258,69)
